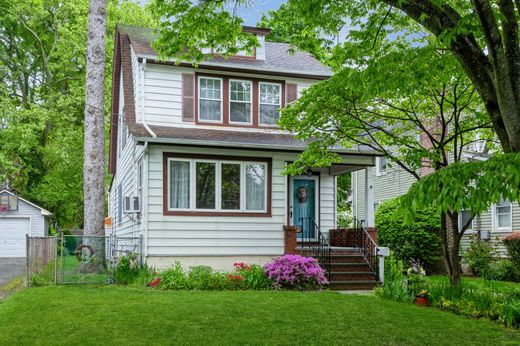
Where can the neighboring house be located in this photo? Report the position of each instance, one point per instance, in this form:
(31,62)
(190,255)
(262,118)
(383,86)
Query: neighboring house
(392,181)
(200,149)
(18,218)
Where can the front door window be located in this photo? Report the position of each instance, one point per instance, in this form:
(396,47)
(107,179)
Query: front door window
(304,206)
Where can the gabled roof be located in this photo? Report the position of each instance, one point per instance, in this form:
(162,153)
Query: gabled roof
(277,61)
(44,212)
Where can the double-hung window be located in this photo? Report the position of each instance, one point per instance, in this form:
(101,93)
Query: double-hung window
(217,185)
(240,101)
(502,216)
(270,102)
(381,166)
(210,99)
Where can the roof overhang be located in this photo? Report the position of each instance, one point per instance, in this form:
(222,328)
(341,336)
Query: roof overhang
(248,146)
(229,67)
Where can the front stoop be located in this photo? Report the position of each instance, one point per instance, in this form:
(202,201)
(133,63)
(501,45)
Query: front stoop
(349,271)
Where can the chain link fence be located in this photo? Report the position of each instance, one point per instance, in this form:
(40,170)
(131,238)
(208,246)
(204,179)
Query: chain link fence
(42,260)
(78,259)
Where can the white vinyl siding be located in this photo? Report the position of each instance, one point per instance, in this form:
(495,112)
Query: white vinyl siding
(193,235)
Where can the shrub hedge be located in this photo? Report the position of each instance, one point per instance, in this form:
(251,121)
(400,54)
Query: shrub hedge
(417,241)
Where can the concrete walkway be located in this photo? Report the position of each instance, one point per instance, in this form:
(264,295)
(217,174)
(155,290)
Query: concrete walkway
(11,268)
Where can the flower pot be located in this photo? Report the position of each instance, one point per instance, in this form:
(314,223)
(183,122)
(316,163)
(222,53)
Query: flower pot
(421,301)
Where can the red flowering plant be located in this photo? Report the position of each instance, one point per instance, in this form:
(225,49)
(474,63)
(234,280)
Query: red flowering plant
(252,277)
(155,282)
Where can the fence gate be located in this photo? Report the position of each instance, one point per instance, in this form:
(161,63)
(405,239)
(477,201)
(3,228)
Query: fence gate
(78,259)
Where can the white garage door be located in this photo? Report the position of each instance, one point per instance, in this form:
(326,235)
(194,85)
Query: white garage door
(12,236)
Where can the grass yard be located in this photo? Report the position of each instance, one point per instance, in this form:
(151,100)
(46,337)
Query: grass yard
(474,282)
(125,316)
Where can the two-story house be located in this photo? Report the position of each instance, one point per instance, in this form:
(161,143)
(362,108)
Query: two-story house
(201,149)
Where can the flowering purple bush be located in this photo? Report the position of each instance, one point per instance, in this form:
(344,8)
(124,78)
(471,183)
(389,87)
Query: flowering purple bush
(296,272)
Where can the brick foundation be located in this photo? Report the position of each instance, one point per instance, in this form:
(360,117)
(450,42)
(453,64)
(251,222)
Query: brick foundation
(290,239)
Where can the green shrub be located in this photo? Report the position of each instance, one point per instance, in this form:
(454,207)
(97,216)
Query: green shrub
(512,243)
(174,278)
(127,269)
(419,240)
(253,277)
(205,278)
(501,270)
(479,256)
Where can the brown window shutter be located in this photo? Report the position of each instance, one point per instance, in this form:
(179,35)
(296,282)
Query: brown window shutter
(188,97)
(291,92)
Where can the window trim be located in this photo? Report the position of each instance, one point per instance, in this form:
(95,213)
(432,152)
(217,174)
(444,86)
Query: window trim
(250,102)
(495,217)
(218,211)
(221,121)
(269,104)
(379,172)
(255,101)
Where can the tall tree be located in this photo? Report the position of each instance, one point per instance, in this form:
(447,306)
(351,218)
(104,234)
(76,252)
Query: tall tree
(94,147)
(41,119)
(481,34)
(421,126)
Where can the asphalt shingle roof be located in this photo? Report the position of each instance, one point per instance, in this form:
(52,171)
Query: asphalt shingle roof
(277,56)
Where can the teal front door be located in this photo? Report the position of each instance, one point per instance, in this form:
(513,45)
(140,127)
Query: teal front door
(303,205)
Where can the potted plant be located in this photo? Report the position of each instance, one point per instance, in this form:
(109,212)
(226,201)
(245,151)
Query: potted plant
(421,299)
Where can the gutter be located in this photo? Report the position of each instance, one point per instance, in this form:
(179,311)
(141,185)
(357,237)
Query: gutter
(143,114)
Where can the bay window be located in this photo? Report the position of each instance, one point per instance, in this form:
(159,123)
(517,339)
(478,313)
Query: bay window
(210,99)
(270,102)
(207,185)
(240,105)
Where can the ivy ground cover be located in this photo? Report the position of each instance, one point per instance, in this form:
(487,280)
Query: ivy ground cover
(111,315)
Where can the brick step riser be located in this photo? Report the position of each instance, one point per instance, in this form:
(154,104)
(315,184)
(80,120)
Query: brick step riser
(353,267)
(333,253)
(347,259)
(352,277)
(351,287)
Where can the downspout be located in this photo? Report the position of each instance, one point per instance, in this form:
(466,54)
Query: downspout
(143,113)
(146,165)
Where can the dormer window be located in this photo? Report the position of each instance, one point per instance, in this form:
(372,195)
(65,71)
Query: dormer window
(270,103)
(240,105)
(210,99)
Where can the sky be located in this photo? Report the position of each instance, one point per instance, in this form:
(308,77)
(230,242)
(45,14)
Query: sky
(252,14)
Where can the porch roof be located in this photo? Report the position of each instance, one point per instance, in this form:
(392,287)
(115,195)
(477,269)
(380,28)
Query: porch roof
(275,141)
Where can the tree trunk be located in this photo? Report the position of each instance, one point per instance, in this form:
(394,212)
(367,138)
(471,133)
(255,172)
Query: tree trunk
(450,247)
(94,150)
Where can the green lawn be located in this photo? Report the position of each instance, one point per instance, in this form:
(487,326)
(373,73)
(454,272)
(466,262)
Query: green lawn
(124,316)
(498,286)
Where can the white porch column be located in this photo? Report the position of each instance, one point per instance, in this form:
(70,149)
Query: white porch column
(369,198)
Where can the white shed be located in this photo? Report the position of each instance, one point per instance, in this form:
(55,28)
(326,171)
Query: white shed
(18,218)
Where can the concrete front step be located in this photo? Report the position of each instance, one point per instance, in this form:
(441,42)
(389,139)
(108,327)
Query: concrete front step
(348,285)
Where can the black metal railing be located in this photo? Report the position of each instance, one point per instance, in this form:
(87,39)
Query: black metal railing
(311,238)
(365,244)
